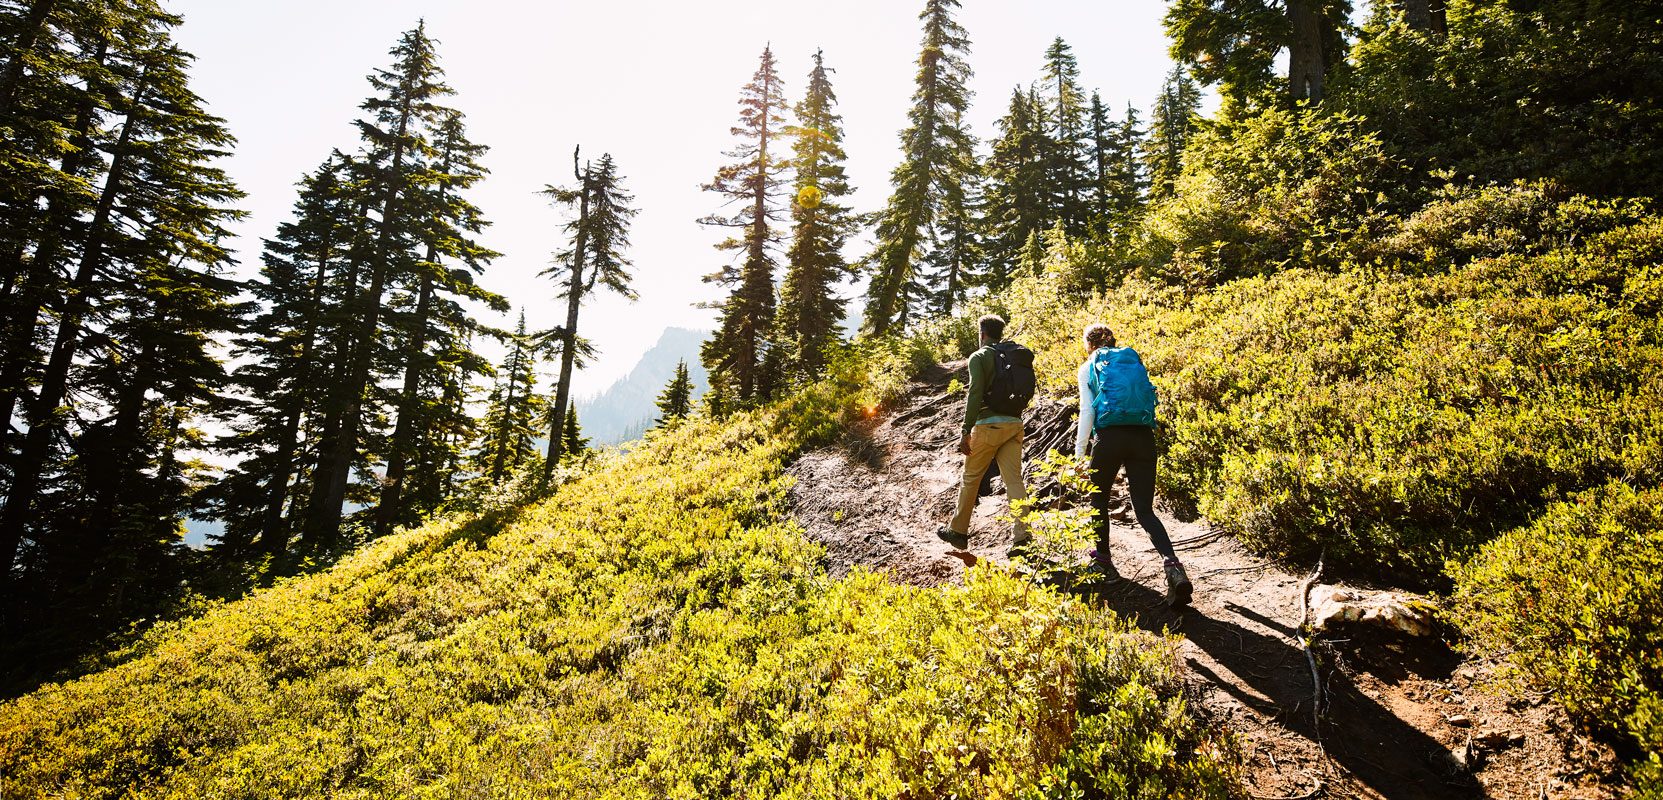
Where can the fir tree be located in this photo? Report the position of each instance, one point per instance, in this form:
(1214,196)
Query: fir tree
(512,414)
(1067,176)
(675,403)
(434,325)
(404,110)
(1123,184)
(573,442)
(283,368)
(936,151)
(114,289)
(809,308)
(954,261)
(1018,194)
(599,236)
(1172,123)
(737,356)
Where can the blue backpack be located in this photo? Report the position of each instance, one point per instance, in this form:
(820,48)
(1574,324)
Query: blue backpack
(1123,391)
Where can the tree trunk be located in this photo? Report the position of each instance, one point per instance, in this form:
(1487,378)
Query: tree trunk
(1426,15)
(388,509)
(1305,59)
(334,473)
(568,352)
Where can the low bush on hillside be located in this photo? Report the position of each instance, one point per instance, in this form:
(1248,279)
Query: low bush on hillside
(1395,419)
(1572,599)
(1279,190)
(1464,404)
(653,630)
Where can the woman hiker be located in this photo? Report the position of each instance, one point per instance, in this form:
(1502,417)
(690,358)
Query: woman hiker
(1117,402)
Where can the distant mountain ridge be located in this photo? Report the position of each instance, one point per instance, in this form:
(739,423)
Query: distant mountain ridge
(628,407)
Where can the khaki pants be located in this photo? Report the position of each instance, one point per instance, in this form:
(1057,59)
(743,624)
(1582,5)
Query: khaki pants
(994,441)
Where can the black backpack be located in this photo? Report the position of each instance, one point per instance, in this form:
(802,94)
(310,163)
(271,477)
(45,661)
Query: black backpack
(1013,379)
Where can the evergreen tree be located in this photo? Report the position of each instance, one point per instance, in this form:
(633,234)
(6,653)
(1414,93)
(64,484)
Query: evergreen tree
(936,152)
(1174,121)
(1068,178)
(737,356)
(1125,177)
(1018,194)
(675,403)
(599,236)
(573,442)
(1235,44)
(954,261)
(396,169)
(283,347)
(435,327)
(112,281)
(809,308)
(512,414)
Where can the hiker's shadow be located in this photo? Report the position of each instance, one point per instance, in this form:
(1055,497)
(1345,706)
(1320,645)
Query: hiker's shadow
(1391,757)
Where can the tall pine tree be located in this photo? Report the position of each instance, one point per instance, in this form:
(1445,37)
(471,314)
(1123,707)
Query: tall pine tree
(809,308)
(402,112)
(112,278)
(1068,180)
(434,325)
(737,355)
(1173,122)
(599,236)
(1018,193)
(936,151)
(283,349)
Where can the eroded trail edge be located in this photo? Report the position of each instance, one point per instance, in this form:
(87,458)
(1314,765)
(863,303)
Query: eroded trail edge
(1401,716)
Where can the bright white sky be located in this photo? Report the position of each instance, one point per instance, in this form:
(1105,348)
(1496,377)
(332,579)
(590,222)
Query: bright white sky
(654,83)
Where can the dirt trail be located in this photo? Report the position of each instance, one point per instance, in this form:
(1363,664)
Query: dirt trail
(1393,705)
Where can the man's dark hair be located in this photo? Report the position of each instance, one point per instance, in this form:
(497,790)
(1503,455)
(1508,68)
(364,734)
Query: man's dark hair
(992,327)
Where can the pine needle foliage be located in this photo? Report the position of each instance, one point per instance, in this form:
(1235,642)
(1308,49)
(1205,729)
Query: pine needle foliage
(810,309)
(937,151)
(739,356)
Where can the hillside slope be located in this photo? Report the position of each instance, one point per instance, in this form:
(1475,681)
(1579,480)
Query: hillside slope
(656,629)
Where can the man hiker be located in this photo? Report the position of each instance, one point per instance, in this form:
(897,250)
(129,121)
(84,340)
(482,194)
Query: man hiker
(1001,385)
(1117,403)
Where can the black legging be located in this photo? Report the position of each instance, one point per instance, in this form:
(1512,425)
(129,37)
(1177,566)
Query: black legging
(1132,447)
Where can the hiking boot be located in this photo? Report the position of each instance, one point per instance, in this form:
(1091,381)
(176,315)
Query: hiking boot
(1101,569)
(959,541)
(1178,586)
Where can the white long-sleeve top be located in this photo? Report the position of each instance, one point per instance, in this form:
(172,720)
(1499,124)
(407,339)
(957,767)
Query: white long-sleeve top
(1088,411)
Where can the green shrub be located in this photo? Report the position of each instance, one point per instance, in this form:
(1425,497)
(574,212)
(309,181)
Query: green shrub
(1278,190)
(1467,222)
(1572,600)
(1395,421)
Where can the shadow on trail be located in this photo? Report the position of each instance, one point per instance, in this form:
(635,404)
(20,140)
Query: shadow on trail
(1384,753)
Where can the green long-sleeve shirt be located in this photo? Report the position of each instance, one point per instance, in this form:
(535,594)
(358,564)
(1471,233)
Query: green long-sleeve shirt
(981,374)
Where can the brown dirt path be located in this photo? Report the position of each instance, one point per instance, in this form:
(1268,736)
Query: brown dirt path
(876,498)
